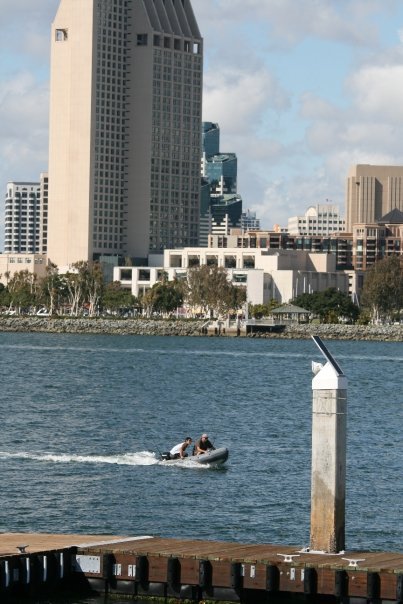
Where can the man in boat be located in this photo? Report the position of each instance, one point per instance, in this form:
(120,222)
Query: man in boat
(179,450)
(202,445)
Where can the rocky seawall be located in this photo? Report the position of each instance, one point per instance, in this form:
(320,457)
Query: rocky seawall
(393,333)
(145,327)
(383,333)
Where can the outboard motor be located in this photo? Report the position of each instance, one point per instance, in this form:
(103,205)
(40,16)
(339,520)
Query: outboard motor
(165,456)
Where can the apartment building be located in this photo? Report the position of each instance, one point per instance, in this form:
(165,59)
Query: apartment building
(26,217)
(339,245)
(375,241)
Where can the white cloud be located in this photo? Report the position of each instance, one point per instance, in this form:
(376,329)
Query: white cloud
(24,132)
(378,91)
(25,28)
(238,99)
(287,22)
(313,108)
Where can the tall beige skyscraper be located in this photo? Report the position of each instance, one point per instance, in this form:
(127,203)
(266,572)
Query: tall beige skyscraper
(372,192)
(125,128)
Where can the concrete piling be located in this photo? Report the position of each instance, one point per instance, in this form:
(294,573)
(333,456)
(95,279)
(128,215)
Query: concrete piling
(329,427)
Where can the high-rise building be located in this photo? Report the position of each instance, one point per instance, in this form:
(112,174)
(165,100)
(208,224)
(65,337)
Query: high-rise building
(322,219)
(25,217)
(372,192)
(221,207)
(221,172)
(43,219)
(226,213)
(249,222)
(210,139)
(205,213)
(125,128)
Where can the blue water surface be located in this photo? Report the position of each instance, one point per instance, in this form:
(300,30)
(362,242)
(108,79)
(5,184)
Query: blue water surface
(84,417)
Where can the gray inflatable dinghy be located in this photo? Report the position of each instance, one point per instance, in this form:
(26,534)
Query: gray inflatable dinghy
(215,457)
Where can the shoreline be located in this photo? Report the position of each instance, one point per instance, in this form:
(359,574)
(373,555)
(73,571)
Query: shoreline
(184,327)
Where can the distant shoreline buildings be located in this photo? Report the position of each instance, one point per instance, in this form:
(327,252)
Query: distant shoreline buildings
(320,220)
(134,173)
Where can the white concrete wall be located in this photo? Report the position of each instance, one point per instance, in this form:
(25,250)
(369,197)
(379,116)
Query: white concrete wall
(255,279)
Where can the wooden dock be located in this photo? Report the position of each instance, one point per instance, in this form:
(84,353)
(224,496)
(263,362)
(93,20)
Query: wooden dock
(195,570)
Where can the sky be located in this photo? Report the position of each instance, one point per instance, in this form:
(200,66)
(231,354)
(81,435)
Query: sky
(301,89)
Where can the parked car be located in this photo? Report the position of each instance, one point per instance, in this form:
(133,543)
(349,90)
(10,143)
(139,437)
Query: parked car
(43,312)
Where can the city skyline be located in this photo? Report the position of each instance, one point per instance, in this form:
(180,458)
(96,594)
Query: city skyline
(321,94)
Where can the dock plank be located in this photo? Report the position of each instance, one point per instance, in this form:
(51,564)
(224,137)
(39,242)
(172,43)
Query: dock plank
(40,542)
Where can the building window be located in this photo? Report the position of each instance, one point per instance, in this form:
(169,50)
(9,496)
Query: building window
(230,262)
(61,35)
(249,262)
(142,39)
(144,275)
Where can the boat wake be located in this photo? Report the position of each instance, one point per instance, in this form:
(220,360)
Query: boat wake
(187,464)
(142,458)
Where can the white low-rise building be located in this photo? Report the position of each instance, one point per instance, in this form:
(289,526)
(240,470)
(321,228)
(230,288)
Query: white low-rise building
(267,274)
(321,220)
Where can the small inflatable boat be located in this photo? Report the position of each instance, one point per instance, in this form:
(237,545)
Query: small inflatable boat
(214,457)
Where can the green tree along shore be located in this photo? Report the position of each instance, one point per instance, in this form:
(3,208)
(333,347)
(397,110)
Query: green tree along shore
(206,292)
(82,291)
(330,306)
(381,298)
(77,292)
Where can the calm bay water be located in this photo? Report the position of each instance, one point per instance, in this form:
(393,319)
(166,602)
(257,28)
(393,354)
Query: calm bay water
(83,418)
